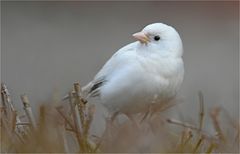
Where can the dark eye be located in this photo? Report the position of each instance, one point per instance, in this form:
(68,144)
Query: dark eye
(156,38)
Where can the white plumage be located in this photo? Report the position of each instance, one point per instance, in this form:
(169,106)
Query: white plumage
(146,71)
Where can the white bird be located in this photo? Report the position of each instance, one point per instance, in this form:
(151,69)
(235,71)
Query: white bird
(146,71)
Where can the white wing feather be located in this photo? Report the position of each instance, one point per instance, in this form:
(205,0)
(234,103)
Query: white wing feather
(119,59)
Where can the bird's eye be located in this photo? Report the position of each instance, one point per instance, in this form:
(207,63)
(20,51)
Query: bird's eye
(156,38)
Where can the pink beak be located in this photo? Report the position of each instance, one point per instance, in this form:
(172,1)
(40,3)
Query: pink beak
(142,37)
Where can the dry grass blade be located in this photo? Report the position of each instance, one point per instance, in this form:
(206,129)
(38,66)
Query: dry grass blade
(76,120)
(91,111)
(28,110)
(14,120)
(65,141)
(7,136)
(13,133)
(214,115)
(198,144)
(176,122)
(210,148)
(234,124)
(57,130)
(6,103)
(67,120)
(186,136)
(81,118)
(201,110)
(186,125)
(79,102)
(42,116)
(3,98)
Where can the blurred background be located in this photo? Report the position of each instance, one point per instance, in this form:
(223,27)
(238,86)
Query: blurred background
(47,46)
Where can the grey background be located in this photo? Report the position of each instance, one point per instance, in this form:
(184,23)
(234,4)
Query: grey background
(46,46)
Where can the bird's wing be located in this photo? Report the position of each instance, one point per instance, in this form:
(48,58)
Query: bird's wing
(119,59)
(94,88)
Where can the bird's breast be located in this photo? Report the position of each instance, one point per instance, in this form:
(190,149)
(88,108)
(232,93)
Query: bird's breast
(136,85)
(165,75)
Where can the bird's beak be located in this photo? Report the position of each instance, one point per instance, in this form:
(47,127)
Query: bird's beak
(142,37)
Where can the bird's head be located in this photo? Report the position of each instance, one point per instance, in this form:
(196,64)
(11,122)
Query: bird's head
(160,37)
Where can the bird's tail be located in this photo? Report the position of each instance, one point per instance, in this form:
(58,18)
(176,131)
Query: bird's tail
(84,92)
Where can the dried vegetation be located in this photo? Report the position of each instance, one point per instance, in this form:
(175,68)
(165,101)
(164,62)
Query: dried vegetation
(65,128)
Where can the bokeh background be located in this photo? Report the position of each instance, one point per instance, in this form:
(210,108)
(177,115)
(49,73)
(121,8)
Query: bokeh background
(46,46)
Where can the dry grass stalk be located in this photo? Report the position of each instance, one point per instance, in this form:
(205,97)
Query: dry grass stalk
(91,111)
(14,132)
(177,122)
(79,103)
(198,144)
(214,115)
(210,148)
(53,131)
(186,136)
(65,141)
(28,111)
(201,110)
(67,120)
(81,116)
(234,124)
(76,120)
